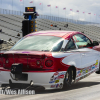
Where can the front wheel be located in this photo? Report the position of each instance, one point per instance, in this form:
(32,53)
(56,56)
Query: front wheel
(98,72)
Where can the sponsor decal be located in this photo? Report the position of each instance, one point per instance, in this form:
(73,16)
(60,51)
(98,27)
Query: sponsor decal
(79,75)
(57,85)
(51,81)
(56,73)
(89,68)
(56,81)
(62,73)
(93,64)
(86,71)
(78,72)
(53,86)
(93,67)
(81,71)
(52,78)
(61,76)
(57,76)
(96,62)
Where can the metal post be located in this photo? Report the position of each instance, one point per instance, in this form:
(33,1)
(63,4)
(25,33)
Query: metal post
(23,3)
(12,6)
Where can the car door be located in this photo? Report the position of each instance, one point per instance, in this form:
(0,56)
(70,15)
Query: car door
(74,58)
(89,57)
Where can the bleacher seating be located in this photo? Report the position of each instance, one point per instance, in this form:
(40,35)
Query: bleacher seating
(11,25)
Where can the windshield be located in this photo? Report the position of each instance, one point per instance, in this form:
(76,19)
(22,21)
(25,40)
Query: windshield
(39,43)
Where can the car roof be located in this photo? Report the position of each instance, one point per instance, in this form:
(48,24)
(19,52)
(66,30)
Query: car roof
(58,33)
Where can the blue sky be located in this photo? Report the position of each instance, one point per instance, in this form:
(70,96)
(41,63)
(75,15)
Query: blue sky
(87,6)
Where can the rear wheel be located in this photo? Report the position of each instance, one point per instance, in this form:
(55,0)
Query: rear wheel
(68,78)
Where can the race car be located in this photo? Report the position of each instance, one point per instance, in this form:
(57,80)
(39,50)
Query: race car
(49,59)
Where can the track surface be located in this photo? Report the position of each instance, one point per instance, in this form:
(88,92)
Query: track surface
(86,89)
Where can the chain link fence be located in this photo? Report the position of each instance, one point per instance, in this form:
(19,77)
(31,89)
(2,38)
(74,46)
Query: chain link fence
(53,18)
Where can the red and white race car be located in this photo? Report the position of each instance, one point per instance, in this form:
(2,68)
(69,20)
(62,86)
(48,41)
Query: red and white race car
(50,59)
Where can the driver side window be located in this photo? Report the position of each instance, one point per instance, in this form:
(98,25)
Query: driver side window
(82,41)
(70,45)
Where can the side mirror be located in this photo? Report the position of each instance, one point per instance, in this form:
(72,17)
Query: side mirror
(95,43)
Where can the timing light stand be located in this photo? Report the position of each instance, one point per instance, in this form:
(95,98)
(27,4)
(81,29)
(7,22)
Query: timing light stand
(29,23)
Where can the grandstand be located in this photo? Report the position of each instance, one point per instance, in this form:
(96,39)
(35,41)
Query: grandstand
(11,25)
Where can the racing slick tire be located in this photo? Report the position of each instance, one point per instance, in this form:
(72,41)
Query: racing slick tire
(68,78)
(98,72)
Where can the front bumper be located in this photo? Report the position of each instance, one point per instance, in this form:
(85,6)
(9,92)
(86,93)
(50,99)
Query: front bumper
(48,80)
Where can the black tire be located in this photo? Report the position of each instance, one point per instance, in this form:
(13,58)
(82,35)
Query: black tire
(68,78)
(98,72)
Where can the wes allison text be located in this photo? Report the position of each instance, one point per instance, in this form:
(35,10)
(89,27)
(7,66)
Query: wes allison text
(17,92)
